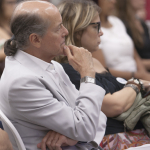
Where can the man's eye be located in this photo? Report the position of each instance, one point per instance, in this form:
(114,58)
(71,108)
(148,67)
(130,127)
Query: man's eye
(59,27)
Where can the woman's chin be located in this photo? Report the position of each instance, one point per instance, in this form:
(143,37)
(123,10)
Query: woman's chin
(95,49)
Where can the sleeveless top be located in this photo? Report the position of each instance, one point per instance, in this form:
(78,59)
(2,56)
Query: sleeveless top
(111,85)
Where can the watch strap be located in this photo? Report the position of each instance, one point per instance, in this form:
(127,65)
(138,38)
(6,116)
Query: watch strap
(88,79)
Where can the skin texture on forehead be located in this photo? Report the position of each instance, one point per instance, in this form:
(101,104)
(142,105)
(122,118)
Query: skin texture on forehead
(43,8)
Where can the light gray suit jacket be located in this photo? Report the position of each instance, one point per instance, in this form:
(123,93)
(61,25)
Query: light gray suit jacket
(35,105)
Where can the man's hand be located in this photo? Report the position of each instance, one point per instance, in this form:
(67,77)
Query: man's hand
(81,60)
(4,141)
(54,141)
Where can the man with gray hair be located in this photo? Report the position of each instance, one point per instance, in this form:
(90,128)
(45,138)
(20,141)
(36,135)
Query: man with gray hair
(35,92)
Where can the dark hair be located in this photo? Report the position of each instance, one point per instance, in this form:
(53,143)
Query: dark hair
(22,26)
(124,11)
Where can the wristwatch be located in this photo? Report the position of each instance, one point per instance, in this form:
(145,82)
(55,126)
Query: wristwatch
(88,79)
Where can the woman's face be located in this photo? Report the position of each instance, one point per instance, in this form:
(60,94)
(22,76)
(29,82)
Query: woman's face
(8,7)
(137,4)
(90,38)
(107,6)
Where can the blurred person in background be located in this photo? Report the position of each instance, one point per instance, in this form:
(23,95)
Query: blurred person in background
(117,47)
(130,11)
(6,10)
(141,14)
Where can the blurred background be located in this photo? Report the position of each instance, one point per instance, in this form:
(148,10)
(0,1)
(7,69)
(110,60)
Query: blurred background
(144,14)
(6,10)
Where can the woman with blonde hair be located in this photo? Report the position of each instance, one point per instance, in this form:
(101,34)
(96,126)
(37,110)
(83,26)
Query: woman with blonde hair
(137,29)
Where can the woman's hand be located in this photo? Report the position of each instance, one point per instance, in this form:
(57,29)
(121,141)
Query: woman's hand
(54,141)
(146,85)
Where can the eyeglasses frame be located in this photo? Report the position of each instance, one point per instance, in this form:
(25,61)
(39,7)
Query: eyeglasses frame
(98,23)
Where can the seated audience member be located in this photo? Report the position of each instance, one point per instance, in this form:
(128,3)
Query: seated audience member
(36,93)
(118,48)
(4,141)
(82,20)
(6,10)
(137,29)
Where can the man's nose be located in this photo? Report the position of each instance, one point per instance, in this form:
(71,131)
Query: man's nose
(65,32)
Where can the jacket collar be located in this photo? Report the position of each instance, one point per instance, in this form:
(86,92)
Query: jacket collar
(28,62)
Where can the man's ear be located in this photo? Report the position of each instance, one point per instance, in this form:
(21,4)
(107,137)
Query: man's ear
(35,40)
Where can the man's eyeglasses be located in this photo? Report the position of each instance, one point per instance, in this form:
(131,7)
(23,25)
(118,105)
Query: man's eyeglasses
(98,25)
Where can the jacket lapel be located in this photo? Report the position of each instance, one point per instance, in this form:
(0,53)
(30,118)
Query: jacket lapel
(38,71)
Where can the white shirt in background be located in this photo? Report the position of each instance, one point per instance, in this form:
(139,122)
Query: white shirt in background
(118,47)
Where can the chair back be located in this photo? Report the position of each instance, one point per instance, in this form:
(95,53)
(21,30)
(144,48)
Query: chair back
(13,130)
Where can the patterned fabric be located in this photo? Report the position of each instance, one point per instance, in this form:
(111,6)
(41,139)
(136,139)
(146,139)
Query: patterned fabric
(122,141)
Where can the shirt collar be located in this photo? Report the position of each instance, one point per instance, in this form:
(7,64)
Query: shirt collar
(43,64)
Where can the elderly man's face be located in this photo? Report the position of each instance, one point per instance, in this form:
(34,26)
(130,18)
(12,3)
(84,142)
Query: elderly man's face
(54,39)
(53,42)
